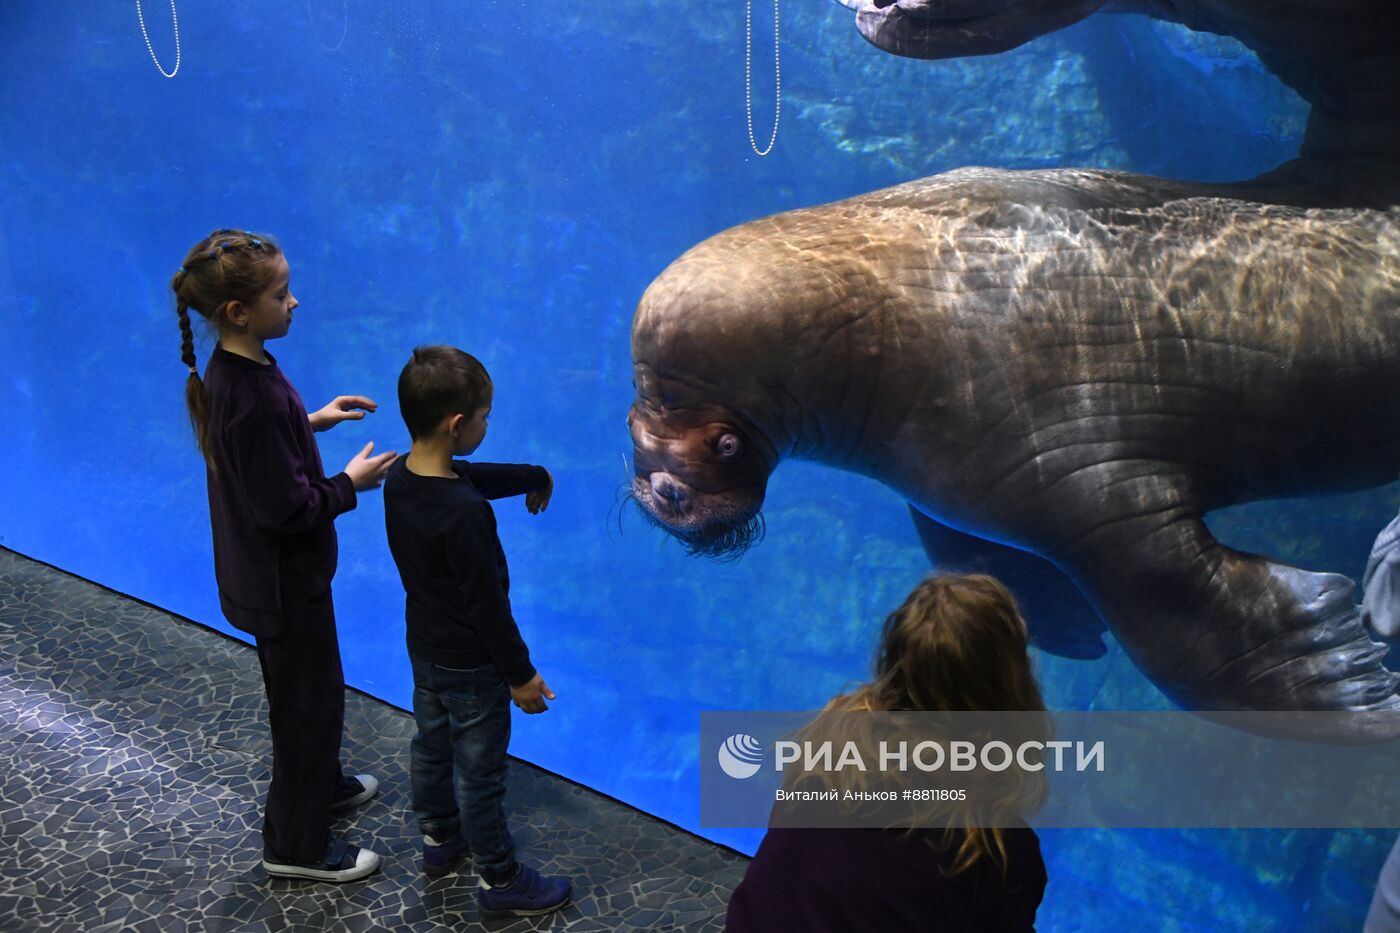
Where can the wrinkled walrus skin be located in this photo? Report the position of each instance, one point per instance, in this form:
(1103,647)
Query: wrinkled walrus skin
(1073,363)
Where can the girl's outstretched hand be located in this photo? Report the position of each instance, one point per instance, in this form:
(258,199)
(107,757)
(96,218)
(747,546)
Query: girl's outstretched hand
(341,408)
(367,472)
(538,500)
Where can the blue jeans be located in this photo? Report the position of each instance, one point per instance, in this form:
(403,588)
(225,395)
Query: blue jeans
(459,761)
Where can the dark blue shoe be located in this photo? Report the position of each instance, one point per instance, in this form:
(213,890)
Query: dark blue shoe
(440,858)
(354,791)
(528,895)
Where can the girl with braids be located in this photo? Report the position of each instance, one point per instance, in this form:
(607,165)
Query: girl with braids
(957,644)
(272,510)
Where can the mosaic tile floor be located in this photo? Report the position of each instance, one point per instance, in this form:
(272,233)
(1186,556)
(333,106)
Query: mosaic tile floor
(130,796)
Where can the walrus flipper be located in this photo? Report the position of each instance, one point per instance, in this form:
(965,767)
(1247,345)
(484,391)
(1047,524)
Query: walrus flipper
(1219,629)
(925,29)
(1061,621)
(1380,609)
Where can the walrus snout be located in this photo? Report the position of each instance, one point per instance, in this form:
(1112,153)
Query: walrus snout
(721,525)
(669,494)
(700,474)
(674,504)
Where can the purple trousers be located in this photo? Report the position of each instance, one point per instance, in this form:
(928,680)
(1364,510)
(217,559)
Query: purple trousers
(306,709)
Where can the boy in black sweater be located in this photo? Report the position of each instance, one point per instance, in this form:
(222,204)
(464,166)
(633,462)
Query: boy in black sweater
(469,660)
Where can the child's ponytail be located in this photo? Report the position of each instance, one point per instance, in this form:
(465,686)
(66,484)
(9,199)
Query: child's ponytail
(196,396)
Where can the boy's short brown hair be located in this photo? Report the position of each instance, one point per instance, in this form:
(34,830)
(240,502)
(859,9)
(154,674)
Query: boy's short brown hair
(439,381)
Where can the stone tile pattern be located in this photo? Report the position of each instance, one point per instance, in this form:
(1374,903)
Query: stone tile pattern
(137,756)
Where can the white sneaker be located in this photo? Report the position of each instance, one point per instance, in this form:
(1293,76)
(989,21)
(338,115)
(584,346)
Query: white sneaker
(343,862)
(369,786)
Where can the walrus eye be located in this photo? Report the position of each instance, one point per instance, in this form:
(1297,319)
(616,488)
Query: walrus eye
(727,446)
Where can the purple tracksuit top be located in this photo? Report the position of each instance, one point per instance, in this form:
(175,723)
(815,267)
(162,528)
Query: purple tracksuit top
(270,504)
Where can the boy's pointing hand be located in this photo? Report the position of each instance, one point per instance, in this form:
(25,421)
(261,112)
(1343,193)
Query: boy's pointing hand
(538,500)
(531,696)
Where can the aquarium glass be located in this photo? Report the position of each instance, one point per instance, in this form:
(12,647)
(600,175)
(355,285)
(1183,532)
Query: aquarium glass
(508,178)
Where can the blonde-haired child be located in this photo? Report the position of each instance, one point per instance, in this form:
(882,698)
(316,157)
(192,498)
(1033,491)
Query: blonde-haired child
(958,643)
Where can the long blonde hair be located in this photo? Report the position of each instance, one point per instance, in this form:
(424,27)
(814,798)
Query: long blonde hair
(225,266)
(957,644)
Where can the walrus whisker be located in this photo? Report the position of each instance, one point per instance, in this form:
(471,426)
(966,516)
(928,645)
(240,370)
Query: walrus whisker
(725,543)
(620,499)
(718,541)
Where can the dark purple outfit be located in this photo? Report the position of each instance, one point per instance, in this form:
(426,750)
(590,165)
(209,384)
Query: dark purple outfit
(272,510)
(883,881)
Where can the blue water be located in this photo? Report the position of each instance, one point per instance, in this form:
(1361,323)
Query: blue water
(509,178)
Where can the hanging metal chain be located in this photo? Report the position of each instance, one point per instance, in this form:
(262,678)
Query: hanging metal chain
(344,26)
(748,76)
(147,36)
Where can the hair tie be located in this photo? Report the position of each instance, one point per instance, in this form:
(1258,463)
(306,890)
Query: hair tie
(184,270)
(193,370)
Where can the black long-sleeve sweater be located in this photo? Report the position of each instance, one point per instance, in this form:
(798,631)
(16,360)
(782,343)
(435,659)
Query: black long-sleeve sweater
(442,533)
(271,507)
(885,881)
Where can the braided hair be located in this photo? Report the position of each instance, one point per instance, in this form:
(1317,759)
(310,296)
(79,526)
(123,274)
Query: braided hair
(225,266)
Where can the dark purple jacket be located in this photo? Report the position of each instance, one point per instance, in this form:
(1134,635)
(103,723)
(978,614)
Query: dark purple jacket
(270,504)
(883,881)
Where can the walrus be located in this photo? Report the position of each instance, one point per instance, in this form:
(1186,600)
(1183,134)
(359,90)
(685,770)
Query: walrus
(1341,56)
(1072,364)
